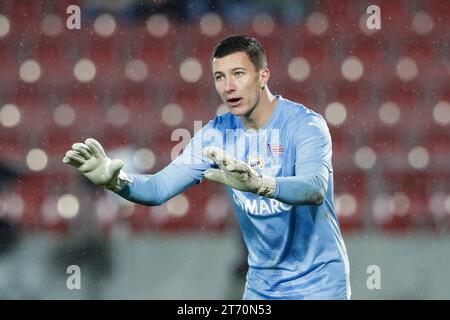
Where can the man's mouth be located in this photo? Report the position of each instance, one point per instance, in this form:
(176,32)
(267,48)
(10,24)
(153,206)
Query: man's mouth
(234,102)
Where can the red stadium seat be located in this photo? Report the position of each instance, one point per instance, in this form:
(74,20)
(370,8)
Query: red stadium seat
(218,209)
(32,191)
(21,11)
(358,102)
(343,17)
(60,7)
(9,68)
(304,92)
(409,204)
(390,212)
(395,17)
(58,140)
(87,103)
(13,145)
(141,101)
(158,53)
(388,140)
(31,101)
(108,56)
(52,55)
(423,51)
(314,49)
(409,98)
(436,139)
(139,219)
(439,11)
(342,141)
(351,95)
(193,43)
(375,53)
(194,101)
(350,199)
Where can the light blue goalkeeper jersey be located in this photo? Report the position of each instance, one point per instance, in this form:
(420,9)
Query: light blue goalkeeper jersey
(295,251)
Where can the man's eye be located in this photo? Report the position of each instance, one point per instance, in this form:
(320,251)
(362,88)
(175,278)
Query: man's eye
(219,77)
(238,73)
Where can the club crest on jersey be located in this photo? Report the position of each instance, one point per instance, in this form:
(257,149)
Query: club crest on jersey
(256,162)
(276,148)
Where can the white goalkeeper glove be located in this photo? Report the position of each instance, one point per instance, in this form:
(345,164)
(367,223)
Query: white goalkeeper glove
(237,174)
(91,160)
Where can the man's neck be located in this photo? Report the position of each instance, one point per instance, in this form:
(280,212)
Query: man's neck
(262,113)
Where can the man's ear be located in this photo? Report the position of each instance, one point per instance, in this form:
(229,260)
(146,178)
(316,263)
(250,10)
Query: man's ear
(264,77)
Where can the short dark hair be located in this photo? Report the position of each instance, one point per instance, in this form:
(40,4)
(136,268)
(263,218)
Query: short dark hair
(242,43)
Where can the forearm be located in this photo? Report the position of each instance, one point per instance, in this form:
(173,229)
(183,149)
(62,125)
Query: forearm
(154,190)
(305,189)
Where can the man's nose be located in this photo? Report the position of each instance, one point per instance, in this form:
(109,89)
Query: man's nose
(230,85)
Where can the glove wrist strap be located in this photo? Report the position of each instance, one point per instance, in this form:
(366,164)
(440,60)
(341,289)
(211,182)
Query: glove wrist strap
(267,187)
(119,183)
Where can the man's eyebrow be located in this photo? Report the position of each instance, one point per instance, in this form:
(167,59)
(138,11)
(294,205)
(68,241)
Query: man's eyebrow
(237,68)
(234,69)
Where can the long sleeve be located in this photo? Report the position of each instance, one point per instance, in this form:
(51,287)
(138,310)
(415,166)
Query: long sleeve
(307,189)
(312,168)
(154,190)
(186,170)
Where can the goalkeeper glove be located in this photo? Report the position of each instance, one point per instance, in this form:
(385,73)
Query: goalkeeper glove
(237,174)
(91,160)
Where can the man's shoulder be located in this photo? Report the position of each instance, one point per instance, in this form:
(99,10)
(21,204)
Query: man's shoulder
(297,113)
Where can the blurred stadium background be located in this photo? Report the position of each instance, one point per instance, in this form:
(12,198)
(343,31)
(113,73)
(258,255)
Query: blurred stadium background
(138,70)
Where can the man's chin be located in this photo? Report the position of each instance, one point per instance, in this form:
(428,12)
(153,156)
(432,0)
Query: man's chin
(237,111)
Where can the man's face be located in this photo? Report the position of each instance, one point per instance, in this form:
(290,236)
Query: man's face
(238,83)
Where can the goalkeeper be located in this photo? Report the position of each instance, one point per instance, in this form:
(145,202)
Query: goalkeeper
(278,168)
